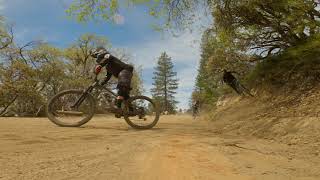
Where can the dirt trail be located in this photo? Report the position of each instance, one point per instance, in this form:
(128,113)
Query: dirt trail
(106,148)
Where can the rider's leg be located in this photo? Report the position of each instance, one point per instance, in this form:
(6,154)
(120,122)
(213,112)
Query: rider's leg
(123,94)
(246,90)
(119,101)
(234,85)
(124,82)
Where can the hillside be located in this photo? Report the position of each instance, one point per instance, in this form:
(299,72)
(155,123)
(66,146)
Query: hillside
(289,118)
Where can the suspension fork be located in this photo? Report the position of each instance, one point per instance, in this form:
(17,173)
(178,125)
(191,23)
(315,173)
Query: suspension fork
(83,97)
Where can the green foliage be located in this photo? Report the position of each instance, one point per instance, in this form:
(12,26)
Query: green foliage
(6,35)
(165,84)
(79,53)
(85,10)
(266,27)
(175,13)
(26,75)
(297,67)
(31,74)
(278,40)
(216,55)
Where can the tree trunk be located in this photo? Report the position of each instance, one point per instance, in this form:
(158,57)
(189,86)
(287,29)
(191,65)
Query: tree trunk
(6,108)
(165,92)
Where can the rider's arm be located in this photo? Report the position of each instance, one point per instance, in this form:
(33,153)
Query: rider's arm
(108,77)
(104,61)
(101,62)
(97,69)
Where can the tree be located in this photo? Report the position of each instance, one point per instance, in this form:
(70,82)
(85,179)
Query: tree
(165,84)
(79,53)
(6,34)
(266,27)
(28,75)
(263,26)
(32,73)
(216,55)
(176,13)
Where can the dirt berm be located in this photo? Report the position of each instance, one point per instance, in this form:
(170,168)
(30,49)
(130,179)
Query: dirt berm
(289,118)
(267,138)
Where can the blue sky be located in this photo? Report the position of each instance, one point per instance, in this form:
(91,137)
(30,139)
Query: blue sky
(46,20)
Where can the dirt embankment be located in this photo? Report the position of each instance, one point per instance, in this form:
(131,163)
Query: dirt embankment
(290,118)
(178,148)
(247,138)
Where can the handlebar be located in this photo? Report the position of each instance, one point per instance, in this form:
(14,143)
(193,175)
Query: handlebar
(96,78)
(97,81)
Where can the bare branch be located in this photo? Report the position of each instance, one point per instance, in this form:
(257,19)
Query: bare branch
(29,44)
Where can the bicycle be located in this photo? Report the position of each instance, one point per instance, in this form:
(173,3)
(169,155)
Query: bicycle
(74,107)
(195,112)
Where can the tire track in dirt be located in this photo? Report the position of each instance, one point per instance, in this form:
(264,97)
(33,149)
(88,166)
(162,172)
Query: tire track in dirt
(181,157)
(106,148)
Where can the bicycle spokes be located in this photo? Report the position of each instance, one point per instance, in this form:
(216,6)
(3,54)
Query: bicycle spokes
(141,112)
(71,108)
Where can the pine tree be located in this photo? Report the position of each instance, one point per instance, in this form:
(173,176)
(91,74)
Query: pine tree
(165,84)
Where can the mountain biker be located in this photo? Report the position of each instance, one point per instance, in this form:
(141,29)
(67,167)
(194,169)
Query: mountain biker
(229,79)
(116,68)
(195,107)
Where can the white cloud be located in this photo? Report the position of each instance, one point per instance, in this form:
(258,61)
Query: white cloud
(119,19)
(2,5)
(188,75)
(183,98)
(183,50)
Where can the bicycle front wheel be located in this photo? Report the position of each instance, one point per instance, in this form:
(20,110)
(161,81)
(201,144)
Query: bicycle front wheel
(61,108)
(141,112)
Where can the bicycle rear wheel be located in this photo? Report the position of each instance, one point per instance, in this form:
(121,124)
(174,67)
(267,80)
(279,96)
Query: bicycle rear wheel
(140,112)
(60,108)
(195,113)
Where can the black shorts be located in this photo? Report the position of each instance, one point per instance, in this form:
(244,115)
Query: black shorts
(124,78)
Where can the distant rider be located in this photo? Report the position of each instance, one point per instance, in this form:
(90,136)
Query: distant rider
(234,83)
(229,79)
(195,107)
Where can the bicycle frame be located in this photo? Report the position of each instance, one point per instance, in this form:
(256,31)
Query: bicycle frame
(89,90)
(97,94)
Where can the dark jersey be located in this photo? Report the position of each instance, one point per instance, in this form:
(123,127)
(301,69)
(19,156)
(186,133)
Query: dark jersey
(228,77)
(113,65)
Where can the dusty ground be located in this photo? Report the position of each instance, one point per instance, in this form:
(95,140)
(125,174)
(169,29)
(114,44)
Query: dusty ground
(178,148)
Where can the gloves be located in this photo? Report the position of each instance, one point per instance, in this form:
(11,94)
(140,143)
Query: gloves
(97,69)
